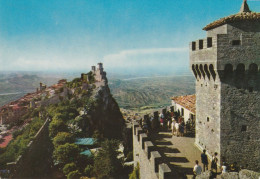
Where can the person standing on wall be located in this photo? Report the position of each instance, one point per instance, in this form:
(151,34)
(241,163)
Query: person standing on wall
(197,169)
(214,165)
(204,160)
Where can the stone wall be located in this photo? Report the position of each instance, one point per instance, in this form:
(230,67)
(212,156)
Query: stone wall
(150,160)
(238,68)
(227,93)
(243,174)
(240,124)
(36,160)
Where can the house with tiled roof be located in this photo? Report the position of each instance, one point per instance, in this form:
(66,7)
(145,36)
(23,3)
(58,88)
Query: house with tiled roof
(185,105)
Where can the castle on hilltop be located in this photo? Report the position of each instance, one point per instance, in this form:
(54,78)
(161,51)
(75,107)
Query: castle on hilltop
(226,67)
(99,72)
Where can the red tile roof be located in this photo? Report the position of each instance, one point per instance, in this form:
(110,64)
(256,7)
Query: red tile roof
(188,102)
(6,140)
(244,16)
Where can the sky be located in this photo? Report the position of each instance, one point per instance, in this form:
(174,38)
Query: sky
(126,35)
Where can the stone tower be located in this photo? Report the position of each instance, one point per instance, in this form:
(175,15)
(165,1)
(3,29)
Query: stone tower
(226,67)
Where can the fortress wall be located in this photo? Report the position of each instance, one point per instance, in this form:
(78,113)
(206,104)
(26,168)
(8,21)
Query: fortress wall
(242,174)
(150,161)
(34,161)
(240,125)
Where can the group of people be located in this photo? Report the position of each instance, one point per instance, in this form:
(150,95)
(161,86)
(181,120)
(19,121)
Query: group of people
(204,160)
(214,167)
(175,122)
(177,127)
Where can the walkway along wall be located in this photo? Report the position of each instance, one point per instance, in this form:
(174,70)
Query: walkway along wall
(36,160)
(151,166)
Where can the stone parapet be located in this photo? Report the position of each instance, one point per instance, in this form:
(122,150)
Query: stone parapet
(164,171)
(146,155)
(148,148)
(155,160)
(138,131)
(143,138)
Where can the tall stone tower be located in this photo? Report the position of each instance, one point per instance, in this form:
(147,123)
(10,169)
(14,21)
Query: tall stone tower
(226,68)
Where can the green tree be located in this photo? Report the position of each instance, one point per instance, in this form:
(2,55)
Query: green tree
(56,126)
(66,153)
(62,138)
(106,163)
(88,170)
(136,173)
(69,167)
(74,175)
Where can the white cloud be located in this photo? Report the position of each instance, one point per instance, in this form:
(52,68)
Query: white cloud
(150,57)
(125,53)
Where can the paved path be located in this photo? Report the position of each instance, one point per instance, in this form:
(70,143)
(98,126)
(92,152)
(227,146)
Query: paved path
(178,152)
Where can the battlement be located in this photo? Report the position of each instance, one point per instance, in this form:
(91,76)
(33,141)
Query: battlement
(227,44)
(203,44)
(145,153)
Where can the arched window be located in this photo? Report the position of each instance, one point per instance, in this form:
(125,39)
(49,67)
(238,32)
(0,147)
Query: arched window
(240,69)
(228,70)
(207,71)
(212,71)
(253,68)
(202,71)
(194,71)
(252,77)
(198,71)
(239,76)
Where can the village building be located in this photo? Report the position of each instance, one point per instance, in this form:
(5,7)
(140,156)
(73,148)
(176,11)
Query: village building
(185,106)
(226,67)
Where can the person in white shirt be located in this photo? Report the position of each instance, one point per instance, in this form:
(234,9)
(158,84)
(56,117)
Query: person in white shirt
(173,126)
(224,168)
(177,126)
(197,169)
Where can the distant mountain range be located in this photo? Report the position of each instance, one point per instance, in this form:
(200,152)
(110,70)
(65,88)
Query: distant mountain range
(16,85)
(130,91)
(150,92)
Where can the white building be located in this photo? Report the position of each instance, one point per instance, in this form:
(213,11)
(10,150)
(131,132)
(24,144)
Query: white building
(185,105)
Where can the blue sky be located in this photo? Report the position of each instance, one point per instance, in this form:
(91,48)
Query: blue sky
(72,35)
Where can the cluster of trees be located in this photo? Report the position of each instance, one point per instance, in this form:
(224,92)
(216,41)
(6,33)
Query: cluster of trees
(77,82)
(67,125)
(66,154)
(21,138)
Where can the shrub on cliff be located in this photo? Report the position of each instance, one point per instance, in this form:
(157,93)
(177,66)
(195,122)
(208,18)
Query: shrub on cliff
(57,126)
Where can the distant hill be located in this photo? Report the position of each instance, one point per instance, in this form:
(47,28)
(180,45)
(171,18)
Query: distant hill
(130,91)
(15,85)
(150,92)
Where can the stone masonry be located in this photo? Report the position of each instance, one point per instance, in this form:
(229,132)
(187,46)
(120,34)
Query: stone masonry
(226,68)
(150,160)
